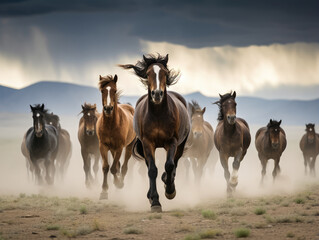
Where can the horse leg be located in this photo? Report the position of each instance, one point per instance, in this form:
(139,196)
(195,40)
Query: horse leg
(104,153)
(276,170)
(313,166)
(115,169)
(263,162)
(224,162)
(128,154)
(195,167)
(187,165)
(236,164)
(87,167)
(96,166)
(50,170)
(305,162)
(37,172)
(152,194)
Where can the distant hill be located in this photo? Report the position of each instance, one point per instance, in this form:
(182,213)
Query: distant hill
(66,99)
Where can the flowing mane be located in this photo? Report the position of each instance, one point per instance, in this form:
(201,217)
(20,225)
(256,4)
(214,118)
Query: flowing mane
(219,103)
(194,106)
(141,67)
(87,107)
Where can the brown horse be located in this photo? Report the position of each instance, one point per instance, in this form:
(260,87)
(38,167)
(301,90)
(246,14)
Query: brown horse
(309,145)
(200,140)
(160,121)
(89,142)
(115,132)
(270,143)
(232,138)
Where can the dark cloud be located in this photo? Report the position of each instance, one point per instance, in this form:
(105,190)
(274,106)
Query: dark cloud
(193,23)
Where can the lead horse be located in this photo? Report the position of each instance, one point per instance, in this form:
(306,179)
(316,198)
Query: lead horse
(232,138)
(309,145)
(160,121)
(115,132)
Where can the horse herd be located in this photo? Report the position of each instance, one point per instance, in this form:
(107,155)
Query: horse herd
(161,119)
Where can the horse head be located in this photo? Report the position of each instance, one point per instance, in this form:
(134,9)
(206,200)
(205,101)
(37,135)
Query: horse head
(273,128)
(227,107)
(311,134)
(38,115)
(53,120)
(90,118)
(109,93)
(155,75)
(197,118)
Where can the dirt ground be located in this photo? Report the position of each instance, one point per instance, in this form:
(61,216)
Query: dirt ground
(278,217)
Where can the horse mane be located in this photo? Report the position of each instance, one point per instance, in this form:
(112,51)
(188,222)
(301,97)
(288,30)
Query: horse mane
(219,103)
(273,123)
(194,106)
(87,107)
(39,108)
(141,67)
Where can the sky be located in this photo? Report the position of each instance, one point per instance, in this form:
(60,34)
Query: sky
(248,46)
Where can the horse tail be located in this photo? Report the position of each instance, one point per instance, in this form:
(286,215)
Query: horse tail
(138,151)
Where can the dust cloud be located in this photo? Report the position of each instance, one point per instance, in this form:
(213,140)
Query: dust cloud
(15,180)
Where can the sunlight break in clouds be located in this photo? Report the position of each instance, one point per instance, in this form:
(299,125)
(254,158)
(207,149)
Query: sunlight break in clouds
(246,69)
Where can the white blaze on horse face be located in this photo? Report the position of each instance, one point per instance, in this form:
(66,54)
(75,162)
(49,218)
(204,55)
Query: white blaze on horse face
(108,99)
(38,115)
(156,70)
(89,114)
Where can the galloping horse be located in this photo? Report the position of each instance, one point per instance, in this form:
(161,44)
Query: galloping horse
(89,142)
(309,145)
(160,121)
(115,132)
(41,143)
(65,145)
(200,140)
(270,143)
(232,138)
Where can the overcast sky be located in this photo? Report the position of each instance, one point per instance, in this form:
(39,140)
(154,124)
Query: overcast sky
(217,45)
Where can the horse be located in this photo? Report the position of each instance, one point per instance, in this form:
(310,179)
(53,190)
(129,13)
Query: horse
(270,143)
(232,138)
(115,132)
(65,145)
(89,142)
(309,145)
(41,144)
(200,140)
(160,121)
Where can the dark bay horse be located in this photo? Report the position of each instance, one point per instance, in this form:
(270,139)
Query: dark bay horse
(65,145)
(309,145)
(89,142)
(115,132)
(160,121)
(200,141)
(270,143)
(232,138)
(41,144)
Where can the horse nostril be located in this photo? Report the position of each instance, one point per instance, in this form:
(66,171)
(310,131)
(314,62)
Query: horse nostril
(105,108)
(111,108)
(153,92)
(161,93)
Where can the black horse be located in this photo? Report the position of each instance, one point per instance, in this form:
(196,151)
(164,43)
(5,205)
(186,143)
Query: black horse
(42,143)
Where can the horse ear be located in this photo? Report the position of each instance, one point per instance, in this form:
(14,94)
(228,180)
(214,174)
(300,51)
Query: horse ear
(82,107)
(146,60)
(31,108)
(100,77)
(42,107)
(220,95)
(204,109)
(115,78)
(166,59)
(94,105)
(270,121)
(234,95)
(279,122)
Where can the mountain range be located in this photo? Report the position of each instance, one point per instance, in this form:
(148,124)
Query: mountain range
(66,99)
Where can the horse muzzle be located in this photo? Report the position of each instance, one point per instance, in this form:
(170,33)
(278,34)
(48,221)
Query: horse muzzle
(197,134)
(39,133)
(275,145)
(310,140)
(90,132)
(157,96)
(231,119)
(108,110)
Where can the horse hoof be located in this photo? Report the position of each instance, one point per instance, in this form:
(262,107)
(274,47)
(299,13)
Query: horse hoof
(170,196)
(103,196)
(156,208)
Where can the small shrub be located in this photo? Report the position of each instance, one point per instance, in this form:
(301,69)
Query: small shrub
(299,200)
(83,210)
(209,214)
(132,231)
(290,235)
(22,195)
(84,230)
(53,227)
(192,237)
(210,234)
(260,211)
(177,214)
(242,232)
